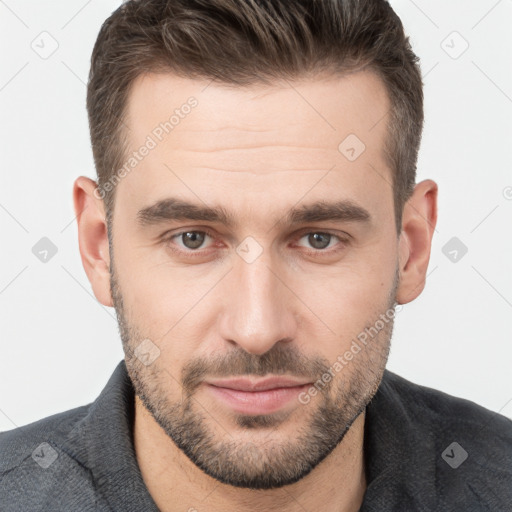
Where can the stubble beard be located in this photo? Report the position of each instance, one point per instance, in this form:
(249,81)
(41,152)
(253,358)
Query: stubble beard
(267,461)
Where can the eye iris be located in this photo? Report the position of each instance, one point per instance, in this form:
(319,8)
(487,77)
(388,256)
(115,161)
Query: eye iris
(195,237)
(313,239)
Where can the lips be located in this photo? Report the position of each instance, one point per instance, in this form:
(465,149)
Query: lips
(248,397)
(244,384)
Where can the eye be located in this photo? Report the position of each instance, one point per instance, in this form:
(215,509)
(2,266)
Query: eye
(321,240)
(191,240)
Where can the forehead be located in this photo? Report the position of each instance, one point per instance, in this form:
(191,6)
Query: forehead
(206,138)
(328,109)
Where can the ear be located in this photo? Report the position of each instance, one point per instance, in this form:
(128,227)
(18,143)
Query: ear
(418,225)
(93,237)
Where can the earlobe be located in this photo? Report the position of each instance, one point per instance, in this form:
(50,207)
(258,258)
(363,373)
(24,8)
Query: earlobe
(418,225)
(93,237)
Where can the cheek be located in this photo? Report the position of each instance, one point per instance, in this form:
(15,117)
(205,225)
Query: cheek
(351,299)
(151,288)
(165,306)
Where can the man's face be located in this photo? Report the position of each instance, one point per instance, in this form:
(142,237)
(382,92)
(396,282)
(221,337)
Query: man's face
(267,295)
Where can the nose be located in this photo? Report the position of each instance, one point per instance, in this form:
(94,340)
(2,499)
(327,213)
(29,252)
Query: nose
(258,307)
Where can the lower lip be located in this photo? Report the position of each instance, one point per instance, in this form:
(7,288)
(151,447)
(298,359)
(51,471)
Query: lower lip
(257,402)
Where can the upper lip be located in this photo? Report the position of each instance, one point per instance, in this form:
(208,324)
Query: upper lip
(244,384)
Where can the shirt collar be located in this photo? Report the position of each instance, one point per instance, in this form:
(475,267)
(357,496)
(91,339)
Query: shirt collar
(103,439)
(397,453)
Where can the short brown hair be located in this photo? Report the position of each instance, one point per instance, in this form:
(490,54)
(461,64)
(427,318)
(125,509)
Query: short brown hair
(244,42)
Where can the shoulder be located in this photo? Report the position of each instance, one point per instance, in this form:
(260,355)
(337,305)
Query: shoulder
(467,448)
(36,459)
(445,412)
(19,443)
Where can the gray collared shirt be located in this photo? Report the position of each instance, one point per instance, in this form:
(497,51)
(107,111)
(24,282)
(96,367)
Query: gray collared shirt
(424,451)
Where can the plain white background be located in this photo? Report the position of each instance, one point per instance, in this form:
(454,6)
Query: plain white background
(59,345)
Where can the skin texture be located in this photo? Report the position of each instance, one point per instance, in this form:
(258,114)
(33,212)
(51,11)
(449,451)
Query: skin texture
(294,309)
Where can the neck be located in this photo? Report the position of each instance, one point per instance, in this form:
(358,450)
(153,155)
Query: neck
(337,484)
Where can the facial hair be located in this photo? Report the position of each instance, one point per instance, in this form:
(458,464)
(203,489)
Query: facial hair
(273,463)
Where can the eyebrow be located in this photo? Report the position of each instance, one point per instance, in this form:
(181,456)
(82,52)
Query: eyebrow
(174,209)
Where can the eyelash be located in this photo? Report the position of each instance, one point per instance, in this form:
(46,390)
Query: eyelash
(201,253)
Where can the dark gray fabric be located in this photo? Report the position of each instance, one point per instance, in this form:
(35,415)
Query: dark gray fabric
(408,428)
(96,468)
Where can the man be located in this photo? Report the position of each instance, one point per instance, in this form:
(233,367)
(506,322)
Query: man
(256,225)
